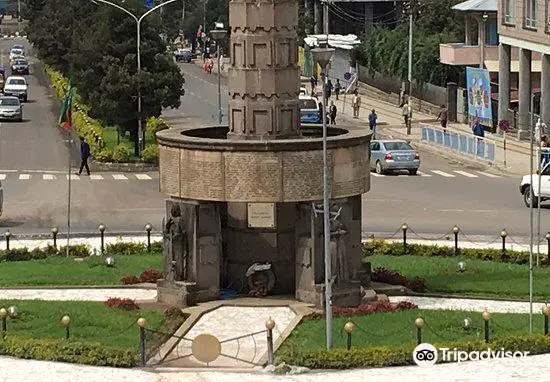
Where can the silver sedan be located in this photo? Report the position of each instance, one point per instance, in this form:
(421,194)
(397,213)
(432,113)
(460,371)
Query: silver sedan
(393,155)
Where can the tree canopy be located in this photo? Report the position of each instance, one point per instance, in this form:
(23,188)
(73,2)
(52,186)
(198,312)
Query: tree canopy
(96,44)
(385,50)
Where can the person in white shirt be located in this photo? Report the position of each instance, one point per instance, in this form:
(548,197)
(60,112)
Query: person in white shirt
(356,104)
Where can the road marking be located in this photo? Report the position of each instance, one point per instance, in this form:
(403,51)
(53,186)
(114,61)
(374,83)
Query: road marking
(451,210)
(423,174)
(488,174)
(96,177)
(442,174)
(119,177)
(24,176)
(143,177)
(73,177)
(2,176)
(466,174)
(48,177)
(375,174)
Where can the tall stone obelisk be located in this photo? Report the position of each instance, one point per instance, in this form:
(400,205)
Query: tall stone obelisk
(263,77)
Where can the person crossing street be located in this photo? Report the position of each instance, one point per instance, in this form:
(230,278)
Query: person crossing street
(84,155)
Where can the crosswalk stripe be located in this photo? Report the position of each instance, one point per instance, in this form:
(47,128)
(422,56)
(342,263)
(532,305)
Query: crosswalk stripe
(24,176)
(48,177)
(423,174)
(488,174)
(73,177)
(119,177)
(466,174)
(143,176)
(442,174)
(2,176)
(96,177)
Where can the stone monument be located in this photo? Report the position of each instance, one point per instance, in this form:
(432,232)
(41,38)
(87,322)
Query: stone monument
(249,195)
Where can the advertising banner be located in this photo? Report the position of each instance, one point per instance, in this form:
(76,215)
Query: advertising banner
(478,85)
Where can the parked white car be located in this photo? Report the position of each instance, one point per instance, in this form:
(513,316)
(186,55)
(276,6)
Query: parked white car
(525,187)
(17,86)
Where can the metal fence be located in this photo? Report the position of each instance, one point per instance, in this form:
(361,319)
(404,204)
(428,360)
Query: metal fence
(462,143)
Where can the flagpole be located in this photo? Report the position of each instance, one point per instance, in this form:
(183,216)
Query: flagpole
(69,171)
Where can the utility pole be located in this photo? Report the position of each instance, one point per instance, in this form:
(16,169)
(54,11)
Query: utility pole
(531,228)
(409,77)
(204,15)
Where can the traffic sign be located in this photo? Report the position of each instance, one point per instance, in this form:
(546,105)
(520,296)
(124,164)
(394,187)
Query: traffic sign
(347,76)
(150,3)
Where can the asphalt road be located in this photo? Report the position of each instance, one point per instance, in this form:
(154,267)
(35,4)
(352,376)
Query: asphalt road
(34,160)
(33,152)
(431,204)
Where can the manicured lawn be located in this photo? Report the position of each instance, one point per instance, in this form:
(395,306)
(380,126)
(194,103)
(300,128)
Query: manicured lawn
(66,271)
(110,139)
(90,322)
(397,328)
(487,278)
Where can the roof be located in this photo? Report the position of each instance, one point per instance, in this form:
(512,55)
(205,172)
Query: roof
(477,6)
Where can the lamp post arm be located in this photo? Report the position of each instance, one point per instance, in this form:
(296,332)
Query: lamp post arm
(155,8)
(119,7)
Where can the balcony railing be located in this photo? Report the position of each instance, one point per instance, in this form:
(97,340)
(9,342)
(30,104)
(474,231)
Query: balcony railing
(462,54)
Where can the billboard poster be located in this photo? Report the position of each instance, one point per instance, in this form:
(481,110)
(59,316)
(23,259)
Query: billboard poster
(478,85)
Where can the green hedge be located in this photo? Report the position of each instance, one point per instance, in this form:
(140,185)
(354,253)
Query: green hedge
(79,250)
(67,351)
(380,247)
(91,128)
(402,355)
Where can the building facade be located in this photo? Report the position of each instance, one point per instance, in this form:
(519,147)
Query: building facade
(524,25)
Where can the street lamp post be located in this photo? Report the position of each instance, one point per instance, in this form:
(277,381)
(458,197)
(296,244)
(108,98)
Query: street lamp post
(218,35)
(322,56)
(138,20)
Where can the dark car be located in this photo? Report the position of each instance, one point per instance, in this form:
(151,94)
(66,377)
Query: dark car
(184,55)
(19,66)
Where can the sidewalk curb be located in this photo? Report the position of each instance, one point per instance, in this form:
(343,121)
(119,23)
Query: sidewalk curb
(468,297)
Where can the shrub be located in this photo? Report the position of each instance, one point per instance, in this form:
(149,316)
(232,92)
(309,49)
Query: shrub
(125,248)
(382,356)
(105,155)
(377,307)
(150,154)
(79,250)
(85,126)
(129,280)
(121,154)
(86,353)
(154,125)
(157,247)
(383,275)
(150,276)
(380,247)
(122,303)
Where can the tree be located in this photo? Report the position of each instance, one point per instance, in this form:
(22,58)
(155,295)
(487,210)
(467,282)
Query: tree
(97,45)
(385,50)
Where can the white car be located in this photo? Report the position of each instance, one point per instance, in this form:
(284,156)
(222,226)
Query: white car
(303,91)
(525,187)
(16,53)
(17,86)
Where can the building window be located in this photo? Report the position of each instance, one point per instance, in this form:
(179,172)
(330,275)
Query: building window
(509,11)
(530,14)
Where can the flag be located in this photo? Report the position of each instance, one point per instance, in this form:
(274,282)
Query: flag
(65,119)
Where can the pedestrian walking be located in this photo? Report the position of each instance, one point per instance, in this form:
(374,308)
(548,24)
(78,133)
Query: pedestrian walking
(332,113)
(337,88)
(443,117)
(328,89)
(372,123)
(356,103)
(84,155)
(479,132)
(407,115)
(313,81)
